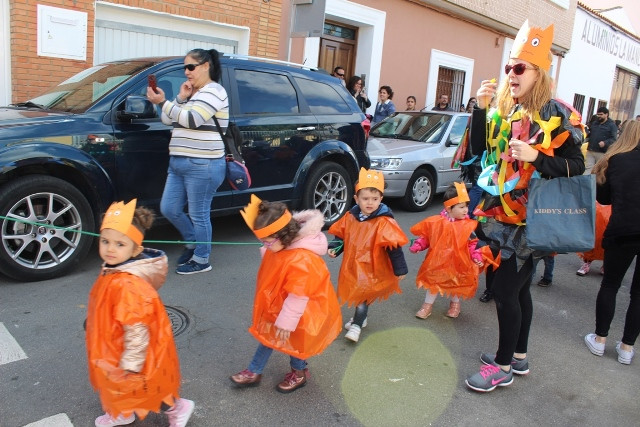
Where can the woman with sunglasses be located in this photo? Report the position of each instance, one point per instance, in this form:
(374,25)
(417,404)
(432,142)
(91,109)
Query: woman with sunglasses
(527,133)
(196,163)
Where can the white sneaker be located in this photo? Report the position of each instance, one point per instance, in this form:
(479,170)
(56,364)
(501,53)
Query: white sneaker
(594,346)
(354,333)
(347,325)
(180,413)
(107,420)
(624,356)
(584,269)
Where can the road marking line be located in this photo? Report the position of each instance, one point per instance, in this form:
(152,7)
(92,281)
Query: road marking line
(10,350)
(58,420)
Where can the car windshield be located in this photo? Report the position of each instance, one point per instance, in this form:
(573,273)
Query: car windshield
(423,126)
(78,93)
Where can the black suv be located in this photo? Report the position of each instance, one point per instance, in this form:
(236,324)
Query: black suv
(95,138)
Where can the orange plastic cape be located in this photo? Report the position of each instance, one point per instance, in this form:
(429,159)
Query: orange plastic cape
(366,274)
(448,268)
(119,299)
(303,273)
(603,212)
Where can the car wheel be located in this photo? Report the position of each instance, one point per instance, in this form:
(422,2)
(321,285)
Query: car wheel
(31,251)
(330,190)
(419,191)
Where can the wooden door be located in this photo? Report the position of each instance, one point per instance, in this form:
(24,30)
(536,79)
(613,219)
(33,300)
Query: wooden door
(335,53)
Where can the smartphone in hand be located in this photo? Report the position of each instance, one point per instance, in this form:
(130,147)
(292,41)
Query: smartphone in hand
(153,83)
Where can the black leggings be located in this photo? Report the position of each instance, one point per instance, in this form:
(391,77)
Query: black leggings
(617,259)
(511,292)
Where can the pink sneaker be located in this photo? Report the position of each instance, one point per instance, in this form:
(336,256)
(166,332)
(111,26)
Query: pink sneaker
(180,413)
(107,420)
(582,271)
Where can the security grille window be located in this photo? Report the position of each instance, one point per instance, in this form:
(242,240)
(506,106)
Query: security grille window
(265,93)
(578,102)
(590,109)
(450,82)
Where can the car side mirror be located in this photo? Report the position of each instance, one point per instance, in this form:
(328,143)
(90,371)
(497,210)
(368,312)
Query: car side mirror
(137,107)
(450,143)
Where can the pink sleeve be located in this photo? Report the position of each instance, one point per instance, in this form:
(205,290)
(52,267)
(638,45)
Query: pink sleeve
(291,312)
(475,253)
(420,244)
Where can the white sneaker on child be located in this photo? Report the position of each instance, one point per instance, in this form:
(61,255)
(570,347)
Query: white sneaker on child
(354,333)
(180,413)
(347,325)
(107,420)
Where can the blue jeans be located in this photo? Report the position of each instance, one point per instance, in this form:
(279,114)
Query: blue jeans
(192,182)
(261,358)
(549,264)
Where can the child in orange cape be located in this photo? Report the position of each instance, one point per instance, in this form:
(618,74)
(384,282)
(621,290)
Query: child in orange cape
(133,362)
(454,260)
(603,212)
(373,263)
(295,310)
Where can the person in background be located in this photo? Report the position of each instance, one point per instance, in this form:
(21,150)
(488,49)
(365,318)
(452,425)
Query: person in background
(603,213)
(338,72)
(197,163)
(602,133)
(385,107)
(373,263)
(133,361)
(411,103)
(518,146)
(471,104)
(443,104)
(355,88)
(547,276)
(618,184)
(295,308)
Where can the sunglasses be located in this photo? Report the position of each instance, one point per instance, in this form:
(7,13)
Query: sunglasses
(192,67)
(518,69)
(341,75)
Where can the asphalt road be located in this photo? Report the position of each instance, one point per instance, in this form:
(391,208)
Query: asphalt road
(403,372)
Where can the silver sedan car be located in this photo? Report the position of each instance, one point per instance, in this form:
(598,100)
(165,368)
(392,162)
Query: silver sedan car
(414,149)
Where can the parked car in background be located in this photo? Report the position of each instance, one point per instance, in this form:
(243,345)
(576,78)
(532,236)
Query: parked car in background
(95,138)
(414,152)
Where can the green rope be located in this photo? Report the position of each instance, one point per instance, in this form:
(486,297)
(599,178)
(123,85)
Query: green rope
(88,233)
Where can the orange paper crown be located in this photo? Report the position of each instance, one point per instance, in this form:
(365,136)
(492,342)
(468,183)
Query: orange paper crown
(250,212)
(370,179)
(462,196)
(119,217)
(533,45)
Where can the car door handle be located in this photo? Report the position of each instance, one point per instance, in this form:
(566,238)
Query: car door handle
(306,128)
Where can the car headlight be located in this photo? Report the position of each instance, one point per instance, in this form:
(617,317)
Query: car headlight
(385,163)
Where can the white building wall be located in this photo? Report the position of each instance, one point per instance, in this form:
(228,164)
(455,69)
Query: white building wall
(588,68)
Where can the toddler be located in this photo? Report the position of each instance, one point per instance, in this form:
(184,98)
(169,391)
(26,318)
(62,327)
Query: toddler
(454,260)
(133,362)
(295,310)
(372,240)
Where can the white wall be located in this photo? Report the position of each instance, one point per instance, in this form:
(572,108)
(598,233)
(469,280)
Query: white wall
(588,69)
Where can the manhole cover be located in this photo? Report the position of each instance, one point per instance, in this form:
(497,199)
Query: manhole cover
(179,320)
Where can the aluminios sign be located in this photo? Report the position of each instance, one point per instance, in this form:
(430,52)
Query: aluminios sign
(615,43)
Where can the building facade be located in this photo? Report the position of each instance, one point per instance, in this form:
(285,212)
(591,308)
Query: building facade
(418,47)
(602,68)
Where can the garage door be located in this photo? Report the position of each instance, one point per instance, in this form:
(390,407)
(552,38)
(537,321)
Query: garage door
(122,33)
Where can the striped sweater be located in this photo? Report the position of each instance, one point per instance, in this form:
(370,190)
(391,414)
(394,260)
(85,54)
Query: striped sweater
(194,131)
